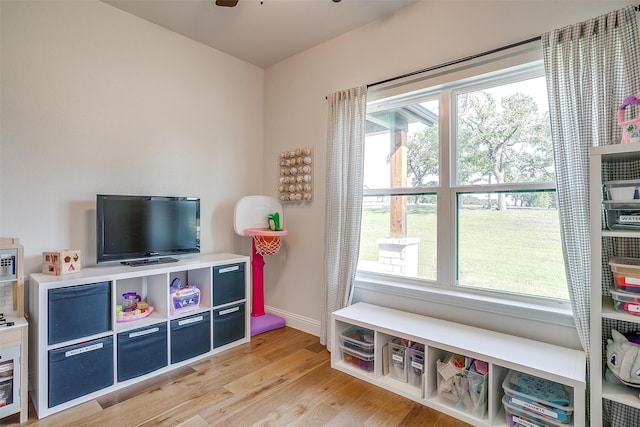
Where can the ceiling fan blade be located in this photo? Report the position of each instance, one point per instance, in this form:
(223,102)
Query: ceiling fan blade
(226,3)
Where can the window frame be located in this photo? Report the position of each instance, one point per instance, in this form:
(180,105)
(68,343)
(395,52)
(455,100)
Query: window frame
(447,192)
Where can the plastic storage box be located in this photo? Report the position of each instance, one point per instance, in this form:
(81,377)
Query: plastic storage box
(360,360)
(463,381)
(228,284)
(415,365)
(141,351)
(623,215)
(545,399)
(79,311)
(626,284)
(228,324)
(358,339)
(625,302)
(516,417)
(626,273)
(80,369)
(190,336)
(398,359)
(6,393)
(622,190)
(357,348)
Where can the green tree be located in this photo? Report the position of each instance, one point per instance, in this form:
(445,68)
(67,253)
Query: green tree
(502,141)
(423,160)
(422,155)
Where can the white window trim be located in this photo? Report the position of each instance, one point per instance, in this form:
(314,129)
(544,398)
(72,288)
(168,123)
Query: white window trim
(553,312)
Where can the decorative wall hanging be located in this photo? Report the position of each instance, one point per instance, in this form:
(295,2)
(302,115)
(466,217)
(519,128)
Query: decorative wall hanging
(295,175)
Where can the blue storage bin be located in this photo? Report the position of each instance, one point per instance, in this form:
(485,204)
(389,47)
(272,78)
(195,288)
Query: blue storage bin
(228,324)
(80,369)
(79,311)
(190,336)
(141,351)
(228,284)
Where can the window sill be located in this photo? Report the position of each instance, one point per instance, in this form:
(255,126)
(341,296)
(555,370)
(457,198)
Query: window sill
(557,313)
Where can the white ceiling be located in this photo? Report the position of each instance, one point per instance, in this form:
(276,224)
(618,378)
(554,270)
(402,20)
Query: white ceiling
(261,32)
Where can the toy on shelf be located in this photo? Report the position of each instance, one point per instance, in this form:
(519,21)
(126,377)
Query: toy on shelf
(630,128)
(131,300)
(623,359)
(261,218)
(183,298)
(132,308)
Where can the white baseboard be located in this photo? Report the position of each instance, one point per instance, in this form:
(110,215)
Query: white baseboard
(304,324)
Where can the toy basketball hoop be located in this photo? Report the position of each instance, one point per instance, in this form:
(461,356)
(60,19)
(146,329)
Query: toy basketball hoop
(251,219)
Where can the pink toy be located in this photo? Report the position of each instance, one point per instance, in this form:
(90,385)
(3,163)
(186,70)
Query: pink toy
(183,298)
(254,216)
(630,128)
(130,301)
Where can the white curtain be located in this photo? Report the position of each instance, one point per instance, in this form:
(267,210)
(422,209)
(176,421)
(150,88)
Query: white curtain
(343,207)
(591,67)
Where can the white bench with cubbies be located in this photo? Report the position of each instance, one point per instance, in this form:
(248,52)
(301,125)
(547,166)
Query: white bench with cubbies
(502,353)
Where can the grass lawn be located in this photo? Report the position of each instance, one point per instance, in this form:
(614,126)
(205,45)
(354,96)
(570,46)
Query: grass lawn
(517,250)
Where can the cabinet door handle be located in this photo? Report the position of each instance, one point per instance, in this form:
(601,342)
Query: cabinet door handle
(83,350)
(229,269)
(190,320)
(229,310)
(145,332)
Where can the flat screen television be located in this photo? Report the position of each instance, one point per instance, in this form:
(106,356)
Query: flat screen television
(139,230)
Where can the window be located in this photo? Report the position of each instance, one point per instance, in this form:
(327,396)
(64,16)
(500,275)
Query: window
(459,187)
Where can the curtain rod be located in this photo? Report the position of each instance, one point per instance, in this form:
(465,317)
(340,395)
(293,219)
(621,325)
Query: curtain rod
(455,62)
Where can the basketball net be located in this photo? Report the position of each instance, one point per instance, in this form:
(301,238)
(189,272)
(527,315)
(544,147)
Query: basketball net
(266,245)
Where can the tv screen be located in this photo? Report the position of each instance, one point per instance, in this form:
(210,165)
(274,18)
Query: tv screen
(138,230)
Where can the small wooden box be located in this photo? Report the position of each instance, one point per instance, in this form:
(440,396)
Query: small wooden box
(61,262)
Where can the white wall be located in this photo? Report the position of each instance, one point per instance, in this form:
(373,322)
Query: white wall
(95,100)
(425,34)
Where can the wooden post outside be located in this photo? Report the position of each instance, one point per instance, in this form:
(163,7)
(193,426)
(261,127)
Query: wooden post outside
(398,226)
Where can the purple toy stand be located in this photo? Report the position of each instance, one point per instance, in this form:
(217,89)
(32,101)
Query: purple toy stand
(266,322)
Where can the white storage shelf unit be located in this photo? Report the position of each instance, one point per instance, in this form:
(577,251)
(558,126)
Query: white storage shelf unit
(151,282)
(601,302)
(502,353)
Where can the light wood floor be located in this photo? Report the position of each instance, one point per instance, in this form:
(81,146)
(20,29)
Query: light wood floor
(281,378)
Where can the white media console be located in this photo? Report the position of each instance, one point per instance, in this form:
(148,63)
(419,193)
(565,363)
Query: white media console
(81,348)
